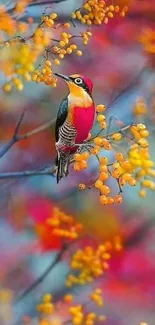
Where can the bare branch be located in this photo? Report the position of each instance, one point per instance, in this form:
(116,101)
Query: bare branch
(37,130)
(27,173)
(16,137)
(43,276)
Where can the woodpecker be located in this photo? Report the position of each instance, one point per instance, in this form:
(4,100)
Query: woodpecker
(74,120)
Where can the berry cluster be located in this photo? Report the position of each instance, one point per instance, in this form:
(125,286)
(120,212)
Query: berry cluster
(90,263)
(135,166)
(97,12)
(64,226)
(20,53)
(80,316)
(45,75)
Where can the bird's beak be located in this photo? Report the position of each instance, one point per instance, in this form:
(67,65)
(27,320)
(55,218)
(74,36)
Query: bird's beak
(66,78)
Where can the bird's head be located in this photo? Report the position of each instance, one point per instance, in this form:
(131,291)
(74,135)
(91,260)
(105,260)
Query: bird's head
(77,83)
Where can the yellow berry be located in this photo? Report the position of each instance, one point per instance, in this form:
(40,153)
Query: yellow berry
(105,189)
(116,136)
(47,297)
(103,168)
(73,15)
(119,156)
(53,15)
(132,182)
(142,193)
(115,173)
(7,87)
(78,53)
(98,141)
(100,108)
(141,127)
(68,50)
(127,176)
(56,61)
(100,118)
(144,133)
(98,183)
(103,160)
(62,43)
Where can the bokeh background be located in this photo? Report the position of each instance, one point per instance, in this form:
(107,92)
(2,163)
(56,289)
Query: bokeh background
(121,72)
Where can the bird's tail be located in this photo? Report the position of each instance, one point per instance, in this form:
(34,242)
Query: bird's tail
(62,163)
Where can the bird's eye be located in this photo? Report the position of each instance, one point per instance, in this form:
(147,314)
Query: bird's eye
(78,81)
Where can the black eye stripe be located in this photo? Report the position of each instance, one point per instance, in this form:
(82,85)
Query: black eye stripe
(82,84)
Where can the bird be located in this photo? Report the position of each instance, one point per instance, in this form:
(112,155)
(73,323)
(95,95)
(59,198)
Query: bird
(74,121)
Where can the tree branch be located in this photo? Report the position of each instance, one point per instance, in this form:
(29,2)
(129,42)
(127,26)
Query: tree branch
(16,137)
(41,171)
(43,276)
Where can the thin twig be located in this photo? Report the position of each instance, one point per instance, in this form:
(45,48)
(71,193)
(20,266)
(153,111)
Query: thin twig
(43,276)
(16,137)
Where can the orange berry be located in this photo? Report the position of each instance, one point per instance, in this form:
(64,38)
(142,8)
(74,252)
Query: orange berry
(98,183)
(105,189)
(103,168)
(100,118)
(126,164)
(68,298)
(118,198)
(48,63)
(117,8)
(81,186)
(100,108)
(142,193)
(122,181)
(56,61)
(103,160)
(103,199)
(103,176)
(106,144)
(110,200)
(98,141)
(119,156)
(76,167)
(79,53)
(103,125)
(115,173)
(132,182)
(77,157)
(83,164)
(85,155)
(127,176)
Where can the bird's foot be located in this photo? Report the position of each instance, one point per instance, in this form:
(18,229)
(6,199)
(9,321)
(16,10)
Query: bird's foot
(85,146)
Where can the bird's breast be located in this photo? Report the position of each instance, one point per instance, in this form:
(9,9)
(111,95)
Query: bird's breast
(83,119)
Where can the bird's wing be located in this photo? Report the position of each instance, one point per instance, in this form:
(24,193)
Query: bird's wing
(61,117)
